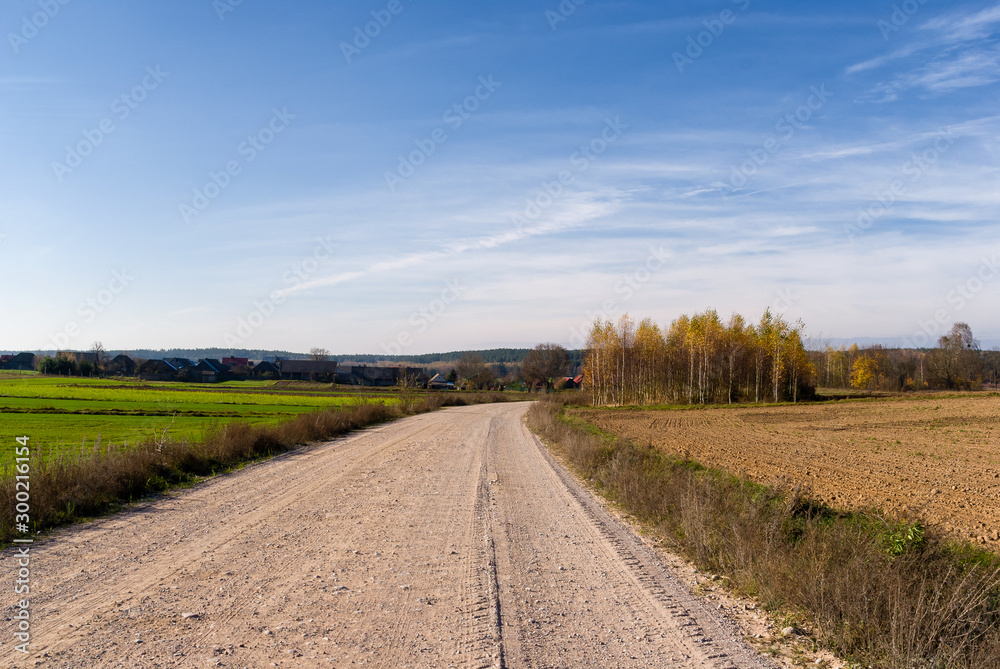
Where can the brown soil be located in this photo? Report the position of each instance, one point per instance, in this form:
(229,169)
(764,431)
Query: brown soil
(937,459)
(450,539)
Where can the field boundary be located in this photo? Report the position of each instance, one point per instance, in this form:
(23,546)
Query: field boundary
(876,590)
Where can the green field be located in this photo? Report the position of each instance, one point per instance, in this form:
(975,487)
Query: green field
(60,414)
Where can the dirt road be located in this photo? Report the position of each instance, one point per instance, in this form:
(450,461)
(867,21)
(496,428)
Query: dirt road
(450,539)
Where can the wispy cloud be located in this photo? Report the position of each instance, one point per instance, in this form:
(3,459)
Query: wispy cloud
(577,213)
(958,27)
(950,52)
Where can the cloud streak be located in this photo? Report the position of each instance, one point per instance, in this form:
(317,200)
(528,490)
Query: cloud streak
(951,52)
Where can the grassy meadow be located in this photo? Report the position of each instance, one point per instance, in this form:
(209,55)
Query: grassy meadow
(76,414)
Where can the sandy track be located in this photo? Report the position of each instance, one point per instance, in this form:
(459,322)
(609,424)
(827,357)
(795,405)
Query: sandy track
(450,539)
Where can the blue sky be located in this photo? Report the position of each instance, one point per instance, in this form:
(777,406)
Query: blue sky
(467,175)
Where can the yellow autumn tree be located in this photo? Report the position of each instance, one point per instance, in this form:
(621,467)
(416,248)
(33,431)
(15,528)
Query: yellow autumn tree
(696,359)
(864,373)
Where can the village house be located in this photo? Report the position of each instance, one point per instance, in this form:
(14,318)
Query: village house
(121,365)
(180,363)
(210,370)
(265,369)
(438,382)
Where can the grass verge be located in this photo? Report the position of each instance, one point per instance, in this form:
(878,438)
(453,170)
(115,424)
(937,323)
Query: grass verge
(66,489)
(878,591)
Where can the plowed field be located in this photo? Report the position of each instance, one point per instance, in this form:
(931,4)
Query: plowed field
(938,458)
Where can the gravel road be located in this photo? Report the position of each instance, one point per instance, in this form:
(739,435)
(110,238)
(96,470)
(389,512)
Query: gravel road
(450,539)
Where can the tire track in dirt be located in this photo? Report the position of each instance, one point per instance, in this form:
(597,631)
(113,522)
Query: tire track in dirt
(444,540)
(579,589)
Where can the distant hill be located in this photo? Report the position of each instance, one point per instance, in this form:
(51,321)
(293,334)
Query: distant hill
(505,355)
(198,353)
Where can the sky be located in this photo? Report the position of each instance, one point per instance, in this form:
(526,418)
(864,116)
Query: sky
(411,176)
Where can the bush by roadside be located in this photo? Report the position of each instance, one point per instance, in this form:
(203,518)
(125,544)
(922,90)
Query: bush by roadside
(880,591)
(71,488)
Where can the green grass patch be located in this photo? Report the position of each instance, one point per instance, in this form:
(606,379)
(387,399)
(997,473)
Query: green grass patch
(61,414)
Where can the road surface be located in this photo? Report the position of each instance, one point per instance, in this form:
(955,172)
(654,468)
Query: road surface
(450,539)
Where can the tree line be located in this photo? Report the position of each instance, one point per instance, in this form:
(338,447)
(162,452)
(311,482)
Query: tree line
(697,359)
(957,363)
(543,367)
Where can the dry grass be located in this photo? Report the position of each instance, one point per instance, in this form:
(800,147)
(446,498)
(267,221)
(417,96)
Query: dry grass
(74,487)
(876,590)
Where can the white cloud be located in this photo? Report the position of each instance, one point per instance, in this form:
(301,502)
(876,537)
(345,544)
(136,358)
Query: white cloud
(953,51)
(958,27)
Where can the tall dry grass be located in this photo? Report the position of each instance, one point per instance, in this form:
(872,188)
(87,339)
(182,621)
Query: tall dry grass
(74,486)
(877,590)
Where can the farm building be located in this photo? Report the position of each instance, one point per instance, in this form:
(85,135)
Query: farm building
(307,370)
(236,362)
(22,362)
(157,370)
(84,356)
(363,375)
